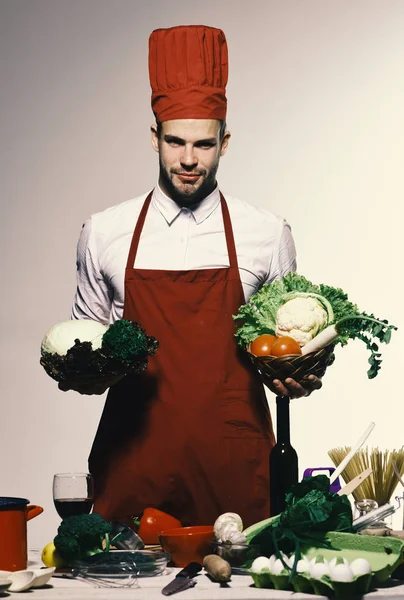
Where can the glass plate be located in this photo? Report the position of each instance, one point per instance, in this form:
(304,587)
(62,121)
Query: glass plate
(121,565)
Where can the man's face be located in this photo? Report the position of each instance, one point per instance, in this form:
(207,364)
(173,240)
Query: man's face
(189,153)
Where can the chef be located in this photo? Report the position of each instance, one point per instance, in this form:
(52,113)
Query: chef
(193,434)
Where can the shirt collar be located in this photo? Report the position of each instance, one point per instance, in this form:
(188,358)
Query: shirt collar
(170,210)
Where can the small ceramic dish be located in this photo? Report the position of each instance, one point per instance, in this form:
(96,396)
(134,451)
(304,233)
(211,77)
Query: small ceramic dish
(42,576)
(4,584)
(20,580)
(28,578)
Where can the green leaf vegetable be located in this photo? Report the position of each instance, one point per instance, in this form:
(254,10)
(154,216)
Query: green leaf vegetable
(315,315)
(311,510)
(124,350)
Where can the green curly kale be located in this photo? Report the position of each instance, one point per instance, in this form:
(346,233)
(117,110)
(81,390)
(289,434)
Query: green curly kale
(311,511)
(127,341)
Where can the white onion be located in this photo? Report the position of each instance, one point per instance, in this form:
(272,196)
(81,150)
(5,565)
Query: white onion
(60,338)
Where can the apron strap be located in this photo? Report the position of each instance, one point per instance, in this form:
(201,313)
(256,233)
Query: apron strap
(137,232)
(228,231)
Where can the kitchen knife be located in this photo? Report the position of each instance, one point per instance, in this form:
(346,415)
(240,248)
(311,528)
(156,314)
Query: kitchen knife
(353,484)
(183,580)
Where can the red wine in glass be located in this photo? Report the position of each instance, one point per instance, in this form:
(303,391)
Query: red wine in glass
(67,507)
(73,494)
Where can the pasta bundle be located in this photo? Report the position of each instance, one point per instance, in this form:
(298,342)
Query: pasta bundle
(382,482)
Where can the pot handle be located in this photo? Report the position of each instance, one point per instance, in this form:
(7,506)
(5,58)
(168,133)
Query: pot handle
(33,510)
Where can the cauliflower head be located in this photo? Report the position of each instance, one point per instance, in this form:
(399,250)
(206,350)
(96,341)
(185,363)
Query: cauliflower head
(301,318)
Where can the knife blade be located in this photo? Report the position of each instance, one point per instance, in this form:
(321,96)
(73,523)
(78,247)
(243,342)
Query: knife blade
(183,580)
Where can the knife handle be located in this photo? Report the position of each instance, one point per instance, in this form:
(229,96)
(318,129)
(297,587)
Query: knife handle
(190,570)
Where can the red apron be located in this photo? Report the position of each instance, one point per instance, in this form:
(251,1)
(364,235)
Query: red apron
(192,435)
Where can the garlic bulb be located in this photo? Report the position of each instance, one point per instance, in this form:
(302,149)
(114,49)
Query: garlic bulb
(231,534)
(225,524)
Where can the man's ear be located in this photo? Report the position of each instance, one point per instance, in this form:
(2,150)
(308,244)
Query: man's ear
(225,143)
(154,137)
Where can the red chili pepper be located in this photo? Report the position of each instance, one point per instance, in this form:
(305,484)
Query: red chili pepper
(152,522)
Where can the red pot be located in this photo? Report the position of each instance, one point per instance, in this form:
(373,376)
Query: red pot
(14,514)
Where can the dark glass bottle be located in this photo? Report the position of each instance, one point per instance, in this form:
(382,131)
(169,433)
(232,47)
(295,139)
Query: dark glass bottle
(283,464)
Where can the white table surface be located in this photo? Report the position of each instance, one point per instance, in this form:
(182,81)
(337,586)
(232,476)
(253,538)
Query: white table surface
(240,587)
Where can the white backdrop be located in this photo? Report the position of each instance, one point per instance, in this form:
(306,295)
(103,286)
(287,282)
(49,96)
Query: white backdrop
(316,97)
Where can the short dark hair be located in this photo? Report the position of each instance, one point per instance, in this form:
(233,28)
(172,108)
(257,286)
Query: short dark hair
(222,131)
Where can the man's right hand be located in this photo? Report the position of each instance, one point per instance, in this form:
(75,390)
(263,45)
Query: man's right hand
(92,388)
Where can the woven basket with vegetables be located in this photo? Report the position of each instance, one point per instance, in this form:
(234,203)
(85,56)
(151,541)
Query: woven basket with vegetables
(290,328)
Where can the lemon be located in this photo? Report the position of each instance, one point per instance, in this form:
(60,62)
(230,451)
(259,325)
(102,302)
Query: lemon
(51,557)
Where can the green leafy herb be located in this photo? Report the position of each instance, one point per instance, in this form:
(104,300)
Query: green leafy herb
(311,511)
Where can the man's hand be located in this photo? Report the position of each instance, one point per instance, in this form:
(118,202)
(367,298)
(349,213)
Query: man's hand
(90,389)
(291,388)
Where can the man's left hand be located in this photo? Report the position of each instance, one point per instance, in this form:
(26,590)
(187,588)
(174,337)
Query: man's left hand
(293,389)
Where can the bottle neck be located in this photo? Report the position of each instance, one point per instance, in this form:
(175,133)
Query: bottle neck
(282,420)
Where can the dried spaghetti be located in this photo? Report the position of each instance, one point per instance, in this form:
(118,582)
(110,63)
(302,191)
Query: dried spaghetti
(382,482)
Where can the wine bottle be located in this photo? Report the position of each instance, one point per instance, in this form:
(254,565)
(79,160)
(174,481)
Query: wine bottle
(283,464)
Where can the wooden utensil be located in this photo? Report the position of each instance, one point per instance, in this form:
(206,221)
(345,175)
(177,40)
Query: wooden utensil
(352,453)
(353,484)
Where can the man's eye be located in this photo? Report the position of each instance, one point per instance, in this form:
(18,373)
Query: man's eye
(206,146)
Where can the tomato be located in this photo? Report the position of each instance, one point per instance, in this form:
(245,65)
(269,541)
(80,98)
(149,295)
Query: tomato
(152,522)
(262,345)
(285,345)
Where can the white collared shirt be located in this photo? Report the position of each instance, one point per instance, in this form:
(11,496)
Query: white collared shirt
(175,238)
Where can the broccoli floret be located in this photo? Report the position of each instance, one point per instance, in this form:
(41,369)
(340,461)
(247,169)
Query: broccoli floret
(82,536)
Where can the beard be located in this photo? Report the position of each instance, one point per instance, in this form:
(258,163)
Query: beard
(187,194)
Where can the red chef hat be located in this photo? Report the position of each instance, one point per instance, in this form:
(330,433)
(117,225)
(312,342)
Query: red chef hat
(188,68)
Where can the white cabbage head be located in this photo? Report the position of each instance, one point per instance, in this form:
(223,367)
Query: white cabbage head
(60,338)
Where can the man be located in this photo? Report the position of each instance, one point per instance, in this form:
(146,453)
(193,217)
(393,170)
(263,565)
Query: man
(193,434)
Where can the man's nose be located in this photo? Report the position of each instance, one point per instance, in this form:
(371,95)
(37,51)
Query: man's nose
(188,157)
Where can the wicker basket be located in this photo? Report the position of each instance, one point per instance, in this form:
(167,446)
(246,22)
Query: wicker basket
(295,366)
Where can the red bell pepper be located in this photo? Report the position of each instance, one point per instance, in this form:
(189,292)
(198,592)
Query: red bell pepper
(152,522)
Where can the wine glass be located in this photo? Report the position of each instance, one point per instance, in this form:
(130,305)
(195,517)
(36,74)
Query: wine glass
(73,493)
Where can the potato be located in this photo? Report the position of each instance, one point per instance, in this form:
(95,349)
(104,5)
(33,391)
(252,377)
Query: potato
(218,568)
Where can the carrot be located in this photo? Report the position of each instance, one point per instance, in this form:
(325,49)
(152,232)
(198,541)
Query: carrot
(218,568)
